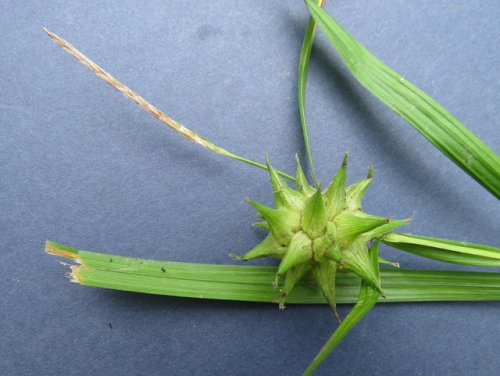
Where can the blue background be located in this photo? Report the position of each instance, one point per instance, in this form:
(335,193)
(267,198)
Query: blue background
(82,165)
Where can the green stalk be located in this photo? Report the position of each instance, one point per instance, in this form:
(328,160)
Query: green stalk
(254,283)
(305,55)
(445,250)
(148,107)
(433,121)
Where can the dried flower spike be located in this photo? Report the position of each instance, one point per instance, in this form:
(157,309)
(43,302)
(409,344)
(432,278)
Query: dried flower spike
(318,232)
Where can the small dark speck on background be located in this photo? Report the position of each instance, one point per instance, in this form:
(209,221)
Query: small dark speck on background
(208,31)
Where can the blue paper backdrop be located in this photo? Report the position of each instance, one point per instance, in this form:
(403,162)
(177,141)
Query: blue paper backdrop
(81,165)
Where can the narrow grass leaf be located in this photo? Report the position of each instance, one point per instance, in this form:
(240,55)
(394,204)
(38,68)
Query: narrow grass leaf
(433,121)
(254,283)
(305,55)
(445,250)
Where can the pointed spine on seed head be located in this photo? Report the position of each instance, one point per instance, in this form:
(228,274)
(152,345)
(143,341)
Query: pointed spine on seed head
(355,192)
(350,225)
(314,216)
(370,172)
(284,196)
(299,251)
(282,222)
(324,274)
(301,180)
(269,247)
(335,194)
(356,259)
(293,275)
(391,224)
(276,180)
(345,159)
(277,183)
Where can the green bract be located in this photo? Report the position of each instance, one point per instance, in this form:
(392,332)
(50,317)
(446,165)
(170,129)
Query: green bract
(316,233)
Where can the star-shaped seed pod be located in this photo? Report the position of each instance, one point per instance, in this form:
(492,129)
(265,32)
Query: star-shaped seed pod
(316,233)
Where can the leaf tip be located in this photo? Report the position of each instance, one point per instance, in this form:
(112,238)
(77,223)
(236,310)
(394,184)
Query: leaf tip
(345,159)
(236,257)
(56,249)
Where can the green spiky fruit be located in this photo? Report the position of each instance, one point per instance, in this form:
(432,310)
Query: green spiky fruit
(317,232)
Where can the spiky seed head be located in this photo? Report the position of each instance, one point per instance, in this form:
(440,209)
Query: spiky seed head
(315,232)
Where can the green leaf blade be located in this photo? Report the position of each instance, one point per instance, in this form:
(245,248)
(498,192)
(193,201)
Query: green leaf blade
(434,122)
(254,283)
(451,251)
(305,55)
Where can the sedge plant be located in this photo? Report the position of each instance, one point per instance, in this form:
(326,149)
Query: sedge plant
(319,234)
